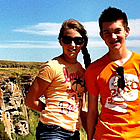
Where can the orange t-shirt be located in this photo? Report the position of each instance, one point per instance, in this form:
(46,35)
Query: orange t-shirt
(120,113)
(64,94)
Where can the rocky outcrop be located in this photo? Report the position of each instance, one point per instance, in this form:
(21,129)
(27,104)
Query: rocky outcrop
(13,111)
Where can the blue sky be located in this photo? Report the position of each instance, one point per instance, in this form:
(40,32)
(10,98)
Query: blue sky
(36,23)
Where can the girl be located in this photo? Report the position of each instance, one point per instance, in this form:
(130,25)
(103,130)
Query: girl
(61,81)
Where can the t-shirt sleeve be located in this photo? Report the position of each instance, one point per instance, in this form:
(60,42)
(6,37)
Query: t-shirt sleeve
(91,82)
(47,72)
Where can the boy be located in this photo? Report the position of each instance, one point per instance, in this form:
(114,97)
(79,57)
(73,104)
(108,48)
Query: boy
(116,77)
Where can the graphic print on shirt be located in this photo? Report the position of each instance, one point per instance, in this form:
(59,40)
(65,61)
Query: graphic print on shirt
(117,100)
(74,79)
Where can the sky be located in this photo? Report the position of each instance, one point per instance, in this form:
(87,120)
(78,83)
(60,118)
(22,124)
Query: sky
(36,23)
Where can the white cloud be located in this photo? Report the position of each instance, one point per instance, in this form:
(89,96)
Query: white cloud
(34,42)
(41,29)
(51,29)
(31,44)
(133,43)
(92,28)
(129,43)
(134,25)
(96,44)
(54,44)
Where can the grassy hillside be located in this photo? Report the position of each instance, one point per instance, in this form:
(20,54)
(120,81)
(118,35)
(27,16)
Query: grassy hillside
(19,67)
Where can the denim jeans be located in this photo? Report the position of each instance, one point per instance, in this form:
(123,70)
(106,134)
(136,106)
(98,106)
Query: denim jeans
(54,132)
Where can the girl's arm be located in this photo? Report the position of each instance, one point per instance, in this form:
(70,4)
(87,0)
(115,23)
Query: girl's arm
(83,112)
(36,90)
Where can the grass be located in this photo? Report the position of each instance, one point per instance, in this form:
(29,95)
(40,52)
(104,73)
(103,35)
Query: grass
(83,135)
(3,134)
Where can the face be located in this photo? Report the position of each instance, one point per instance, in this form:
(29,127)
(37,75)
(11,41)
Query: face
(114,34)
(71,48)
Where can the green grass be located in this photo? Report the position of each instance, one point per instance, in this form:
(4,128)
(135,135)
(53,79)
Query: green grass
(3,134)
(83,135)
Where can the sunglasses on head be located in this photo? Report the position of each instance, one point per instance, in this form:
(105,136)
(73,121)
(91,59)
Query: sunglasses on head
(121,81)
(69,39)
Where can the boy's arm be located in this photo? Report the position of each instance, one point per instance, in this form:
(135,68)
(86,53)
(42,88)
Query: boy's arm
(92,115)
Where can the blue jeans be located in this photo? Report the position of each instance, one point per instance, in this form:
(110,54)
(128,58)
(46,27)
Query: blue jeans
(54,132)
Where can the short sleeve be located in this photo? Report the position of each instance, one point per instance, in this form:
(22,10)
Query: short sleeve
(91,81)
(47,71)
